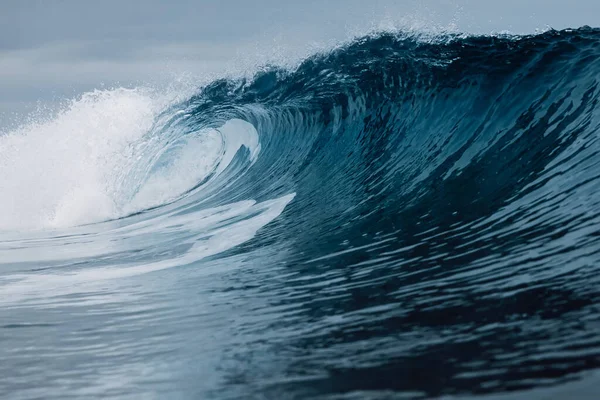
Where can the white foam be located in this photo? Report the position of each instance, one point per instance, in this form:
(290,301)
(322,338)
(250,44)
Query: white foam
(207,232)
(60,172)
(97,160)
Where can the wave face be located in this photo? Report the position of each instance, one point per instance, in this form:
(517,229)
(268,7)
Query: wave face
(399,215)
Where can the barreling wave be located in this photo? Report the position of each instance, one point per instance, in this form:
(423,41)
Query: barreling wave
(432,203)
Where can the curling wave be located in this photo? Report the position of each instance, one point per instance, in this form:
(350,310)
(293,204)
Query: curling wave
(399,214)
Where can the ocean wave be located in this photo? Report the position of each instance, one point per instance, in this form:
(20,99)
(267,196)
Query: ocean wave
(423,210)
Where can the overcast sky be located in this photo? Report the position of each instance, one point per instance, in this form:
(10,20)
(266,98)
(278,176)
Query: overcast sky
(51,49)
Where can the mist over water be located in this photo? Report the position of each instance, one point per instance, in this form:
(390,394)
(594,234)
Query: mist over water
(405,215)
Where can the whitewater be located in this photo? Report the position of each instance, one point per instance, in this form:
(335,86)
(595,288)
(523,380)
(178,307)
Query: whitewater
(399,216)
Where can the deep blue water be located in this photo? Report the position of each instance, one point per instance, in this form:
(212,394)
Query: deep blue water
(399,217)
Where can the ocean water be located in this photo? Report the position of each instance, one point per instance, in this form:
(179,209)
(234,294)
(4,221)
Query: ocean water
(402,216)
